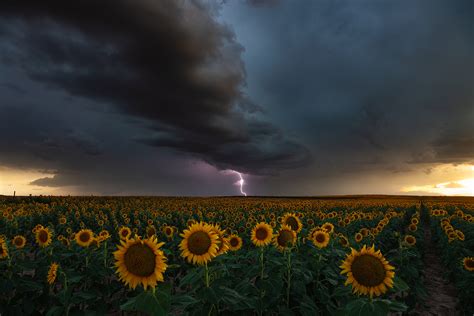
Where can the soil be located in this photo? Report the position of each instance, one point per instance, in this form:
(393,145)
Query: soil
(441,298)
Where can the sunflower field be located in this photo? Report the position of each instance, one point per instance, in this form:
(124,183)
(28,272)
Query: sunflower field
(228,256)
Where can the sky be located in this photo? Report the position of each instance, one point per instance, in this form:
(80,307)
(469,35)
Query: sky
(166,97)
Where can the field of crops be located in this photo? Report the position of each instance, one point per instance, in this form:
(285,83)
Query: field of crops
(228,256)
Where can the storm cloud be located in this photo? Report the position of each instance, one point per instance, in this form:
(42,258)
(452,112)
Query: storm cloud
(167,62)
(306,95)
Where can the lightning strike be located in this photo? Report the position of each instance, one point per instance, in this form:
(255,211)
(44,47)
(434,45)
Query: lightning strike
(241,182)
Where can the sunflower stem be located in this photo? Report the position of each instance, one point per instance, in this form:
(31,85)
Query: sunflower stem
(210,310)
(207,275)
(262,293)
(319,269)
(105,254)
(65,290)
(401,250)
(288,274)
(65,280)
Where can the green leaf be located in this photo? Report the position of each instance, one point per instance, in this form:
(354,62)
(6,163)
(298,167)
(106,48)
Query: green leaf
(342,291)
(65,296)
(399,285)
(380,308)
(75,279)
(308,307)
(236,300)
(354,307)
(397,306)
(145,302)
(209,295)
(55,311)
(332,281)
(192,277)
(85,296)
(25,285)
(183,300)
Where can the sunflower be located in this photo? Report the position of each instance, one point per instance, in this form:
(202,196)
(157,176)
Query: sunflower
(140,261)
(320,238)
(62,220)
(235,242)
(368,271)
(150,230)
(3,250)
(66,242)
(285,238)
(124,233)
(343,241)
(328,227)
(222,241)
(409,240)
(469,263)
(103,235)
(168,231)
(452,236)
(358,237)
(261,234)
(19,241)
(412,227)
(293,221)
(84,237)
(36,228)
(199,244)
(460,235)
(43,237)
(52,273)
(95,241)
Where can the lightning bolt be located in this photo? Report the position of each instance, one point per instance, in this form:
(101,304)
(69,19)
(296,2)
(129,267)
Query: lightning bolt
(241,182)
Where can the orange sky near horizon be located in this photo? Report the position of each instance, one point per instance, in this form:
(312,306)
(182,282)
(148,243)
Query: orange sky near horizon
(443,179)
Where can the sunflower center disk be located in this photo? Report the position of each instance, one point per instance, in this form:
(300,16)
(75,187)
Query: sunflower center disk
(368,270)
(199,243)
(261,234)
(43,236)
(284,238)
(84,237)
(140,260)
(293,223)
(320,238)
(470,263)
(234,242)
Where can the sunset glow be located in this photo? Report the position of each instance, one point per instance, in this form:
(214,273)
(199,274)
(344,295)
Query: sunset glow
(19,180)
(459,180)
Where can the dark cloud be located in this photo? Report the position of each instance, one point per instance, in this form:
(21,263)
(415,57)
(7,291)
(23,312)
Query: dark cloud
(371,85)
(108,95)
(13,87)
(167,62)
